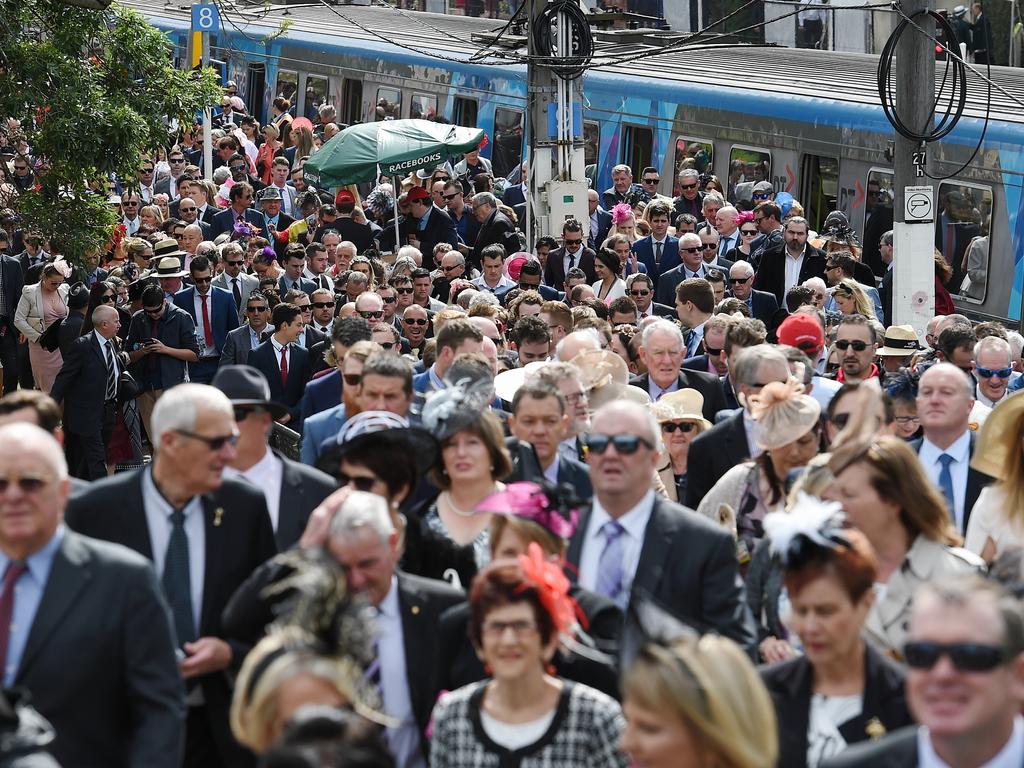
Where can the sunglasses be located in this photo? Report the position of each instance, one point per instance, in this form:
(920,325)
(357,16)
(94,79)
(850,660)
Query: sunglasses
(389,299)
(213,443)
(738,280)
(858,346)
(713,351)
(193,209)
(450,268)
(988,373)
(651,181)
(387,345)
(153,312)
(682,426)
(241,414)
(529,286)
(688,186)
(966,657)
(640,294)
(374,314)
(261,308)
(26,484)
(323,304)
(625,445)
(176,160)
(202,280)
(353,379)
(709,247)
(451,196)
(145,170)
(691,250)
(761,196)
(234,263)
(364,484)
(404,291)
(237,168)
(748,232)
(106,299)
(573,242)
(130,205)
(415,321)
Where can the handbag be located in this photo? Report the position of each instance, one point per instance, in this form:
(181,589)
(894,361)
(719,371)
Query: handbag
(127,387)
(50,338)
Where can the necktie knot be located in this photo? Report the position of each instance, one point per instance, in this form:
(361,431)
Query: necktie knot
(612,530)
(14,570)
(178,518)
(945,460)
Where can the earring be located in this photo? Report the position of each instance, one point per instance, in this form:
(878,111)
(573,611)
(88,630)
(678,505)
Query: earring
(492,467)
(550,669)
(488,670)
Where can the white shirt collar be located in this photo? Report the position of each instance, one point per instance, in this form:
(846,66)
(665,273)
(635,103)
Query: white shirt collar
(1010,756)
(960,450)
(634,521)
(389,605)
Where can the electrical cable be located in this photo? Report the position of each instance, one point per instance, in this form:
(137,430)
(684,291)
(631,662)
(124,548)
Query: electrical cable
(571,63)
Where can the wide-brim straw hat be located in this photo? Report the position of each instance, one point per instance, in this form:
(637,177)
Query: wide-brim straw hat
(682,405)
(1000,437)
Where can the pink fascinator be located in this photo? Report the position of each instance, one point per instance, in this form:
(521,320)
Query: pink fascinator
(621,213)
(553,508)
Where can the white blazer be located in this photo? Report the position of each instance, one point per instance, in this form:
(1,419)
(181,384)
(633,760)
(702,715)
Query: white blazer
(29,316)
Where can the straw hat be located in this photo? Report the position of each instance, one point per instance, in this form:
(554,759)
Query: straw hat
(783,413)
(899,341)
(606,378)
(507,383)
(683,404)
(999,437)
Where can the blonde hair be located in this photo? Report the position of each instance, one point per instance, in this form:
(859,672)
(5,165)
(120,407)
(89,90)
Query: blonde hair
(861,303)
(712,687)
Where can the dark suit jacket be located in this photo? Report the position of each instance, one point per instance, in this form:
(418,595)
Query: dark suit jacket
(576,474)
(712,454)
(12,280)
(666,290)
(644,250)
(604,225)
(763,306)
(70,329)
(303,284)
(696,363)
(302,490)
(81,385)
(265,360)
(895,750)
(554,270)
(790,685)
(321,394)
(237,345)
(440,229)
(703,382)
(238,539)
(99,661)
(688,566)
(224,221)
(885,294)
(223,314)
(497,230)
(771,274)
(976,481)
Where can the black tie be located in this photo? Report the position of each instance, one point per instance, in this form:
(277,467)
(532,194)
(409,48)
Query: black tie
(323,281)
(111,392)
(657,254)
(177,579)
(236,292)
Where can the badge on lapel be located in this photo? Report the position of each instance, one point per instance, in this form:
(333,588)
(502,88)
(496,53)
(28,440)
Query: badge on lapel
(874,729)
(218,515)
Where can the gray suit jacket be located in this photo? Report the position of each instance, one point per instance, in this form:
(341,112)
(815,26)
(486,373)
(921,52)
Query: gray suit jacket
(99,661)
(237,346)
(246,284)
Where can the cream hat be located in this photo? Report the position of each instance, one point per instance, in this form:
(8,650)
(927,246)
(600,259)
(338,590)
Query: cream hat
(783,413)
(682,404)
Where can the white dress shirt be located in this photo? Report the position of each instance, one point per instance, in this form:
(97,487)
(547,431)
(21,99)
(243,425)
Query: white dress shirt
(656,392)
(111,355)
(404,739)
(635,524)
(793,266)
(551,473)
(960,450)
(197,301)
(573,259)
(277,354)
(1010,756)
(266,474)
(503,282)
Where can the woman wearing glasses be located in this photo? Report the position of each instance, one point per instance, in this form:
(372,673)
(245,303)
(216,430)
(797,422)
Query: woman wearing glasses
(105,292)
(679,416)
(748,232)
(840,690)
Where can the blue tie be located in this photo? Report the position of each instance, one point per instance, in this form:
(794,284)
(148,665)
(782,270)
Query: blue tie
(177,580)
(610,566)
(946,484)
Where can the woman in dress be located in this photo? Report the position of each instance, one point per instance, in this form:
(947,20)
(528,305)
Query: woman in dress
(840,690)
(524,715)
(623,222)
(679,416)
(43,304)
(269,149)
(609,285)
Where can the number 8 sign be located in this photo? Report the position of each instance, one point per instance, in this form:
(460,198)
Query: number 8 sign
(205,18)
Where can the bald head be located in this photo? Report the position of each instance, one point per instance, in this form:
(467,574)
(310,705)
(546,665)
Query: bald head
(106,321)
(35,492)
(22,438)
(576,342)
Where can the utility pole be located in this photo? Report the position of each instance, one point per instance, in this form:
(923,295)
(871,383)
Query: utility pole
(207,117)
(205,20)
(915,204)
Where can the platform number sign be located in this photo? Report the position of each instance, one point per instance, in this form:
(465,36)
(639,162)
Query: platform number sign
(205,18)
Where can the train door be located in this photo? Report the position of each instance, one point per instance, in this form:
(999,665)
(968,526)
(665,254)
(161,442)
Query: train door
(287,87)
(351,101)
(819,188)
(256,89)
(637,146)
(691,154)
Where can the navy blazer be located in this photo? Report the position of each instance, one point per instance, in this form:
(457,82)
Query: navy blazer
(321,394)
(604,225)
(225,222)
(223,315)
(13,280)
(440,229)
(264,359)
(763,306)
(976,480)
(644,250)
(303,284)
(554,269)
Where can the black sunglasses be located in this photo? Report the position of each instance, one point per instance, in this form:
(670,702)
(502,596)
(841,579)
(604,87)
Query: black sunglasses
(966,657)
(352,379)
(389,299)
(671,426)
(748,232)
(651,181)
(858,346)
(234,263)
(213,443)
(738,280)
(451,196)
(414,321)
(688,186)
(107,299)
(187,210)
(690,250)
(404,291)
(368,314)
(761,196)
(261,308)
(641,294)
(364,484)
(626,445)
(710,246)
(323,304)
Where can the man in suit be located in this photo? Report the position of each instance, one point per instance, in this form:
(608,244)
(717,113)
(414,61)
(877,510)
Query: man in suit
(431,226)
(945,397)
(188,213)
(87,631)
(214,313)
(283,362)
(632,545)
(294,265)
(233,280)
(248,336)
(541,419)
(182,514)
(716,451)
(495,228)
(167,184)
(87,385)
(241,196)
(691,199)
(600,221)
(456,337)
(292,490)
(659,251)
(710,357)
(287,197)
(762,304)
(885,287)
(966,704)
(795,256)
(690,265)
(663,350)
(277,220)
(572,253)
(325,391)
(640,288)
(12,280)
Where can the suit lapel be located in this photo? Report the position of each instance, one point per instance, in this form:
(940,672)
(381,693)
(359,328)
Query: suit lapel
(411,605)
(576,544)
(215,549)
(653,552)
(69,575)
(289,505)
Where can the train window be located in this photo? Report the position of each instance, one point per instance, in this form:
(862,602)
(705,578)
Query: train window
(747,164)
(819,188)
(316,94)
(692,153)
(423,106)
(287,86)
(637,142)
(591,142)
(389,104)
(508,141)
(353,101)
(465,111)
(961,234)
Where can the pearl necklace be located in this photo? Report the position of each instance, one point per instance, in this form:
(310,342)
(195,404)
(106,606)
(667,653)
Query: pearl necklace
(455,509)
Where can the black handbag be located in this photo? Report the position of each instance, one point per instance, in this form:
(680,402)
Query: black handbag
(127,387)
(50,338)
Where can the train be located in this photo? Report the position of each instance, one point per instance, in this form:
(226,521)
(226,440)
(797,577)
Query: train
(809,121)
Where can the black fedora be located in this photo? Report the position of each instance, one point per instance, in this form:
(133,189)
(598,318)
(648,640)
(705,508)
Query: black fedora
(245,385)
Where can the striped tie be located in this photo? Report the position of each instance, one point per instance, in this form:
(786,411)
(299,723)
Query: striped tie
(610,566)
(111,391)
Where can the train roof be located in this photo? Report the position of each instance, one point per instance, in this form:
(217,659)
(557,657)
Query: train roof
(843,77)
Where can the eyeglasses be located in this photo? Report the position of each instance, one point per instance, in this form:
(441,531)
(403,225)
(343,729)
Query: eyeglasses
(387,345)
(529,286)
(260,308)
(573,242)
(352,379)
(21,167)
(691,250)
(966,657)
(128,204)
(710,246)
(360,483)
(625,445)
(451,196)
(844,344)
(202,280)
(176,160)
(389,299)
(322,304)
(988,373)
(651,181)
(906,420)
(414,321)
(748,232)
(145,170)
(371,314)
(193,209)
(497,629)
(739,280)
(237,168)
(639,294)
(213,443)
(760,196)
(713,351)
(687,186)
(154,311)
(404,291)
(305,307)
(234,263)
(25,483)
(450,267)
(682,426)
(108,299)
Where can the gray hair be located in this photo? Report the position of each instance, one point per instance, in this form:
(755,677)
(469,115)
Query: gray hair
(662,326)
(713,197)
(409,252)
(23,434)
(193,229)
(179,407)
(746,368)
(746,268)
(484,297)
(362,510)
(689,173)
(486,198)
(220,175)
(356,277)
(1016,343)
(994,344)
(815,284)
(466,297)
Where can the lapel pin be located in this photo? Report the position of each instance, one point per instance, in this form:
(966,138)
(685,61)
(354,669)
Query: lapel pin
(218,515)
(874,729)
(415,610)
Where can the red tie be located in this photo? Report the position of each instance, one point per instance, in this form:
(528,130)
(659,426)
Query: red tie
(11,576)
(207,330)
(284,366)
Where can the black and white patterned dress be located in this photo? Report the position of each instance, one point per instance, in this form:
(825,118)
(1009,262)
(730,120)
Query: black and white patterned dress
(584,732)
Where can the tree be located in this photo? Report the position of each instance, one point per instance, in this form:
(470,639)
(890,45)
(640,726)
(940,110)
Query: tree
(94,90)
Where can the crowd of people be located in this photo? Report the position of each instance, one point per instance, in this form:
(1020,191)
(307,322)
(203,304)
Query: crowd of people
(670,489)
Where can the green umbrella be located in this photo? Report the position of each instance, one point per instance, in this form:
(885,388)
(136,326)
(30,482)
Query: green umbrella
(396,146)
